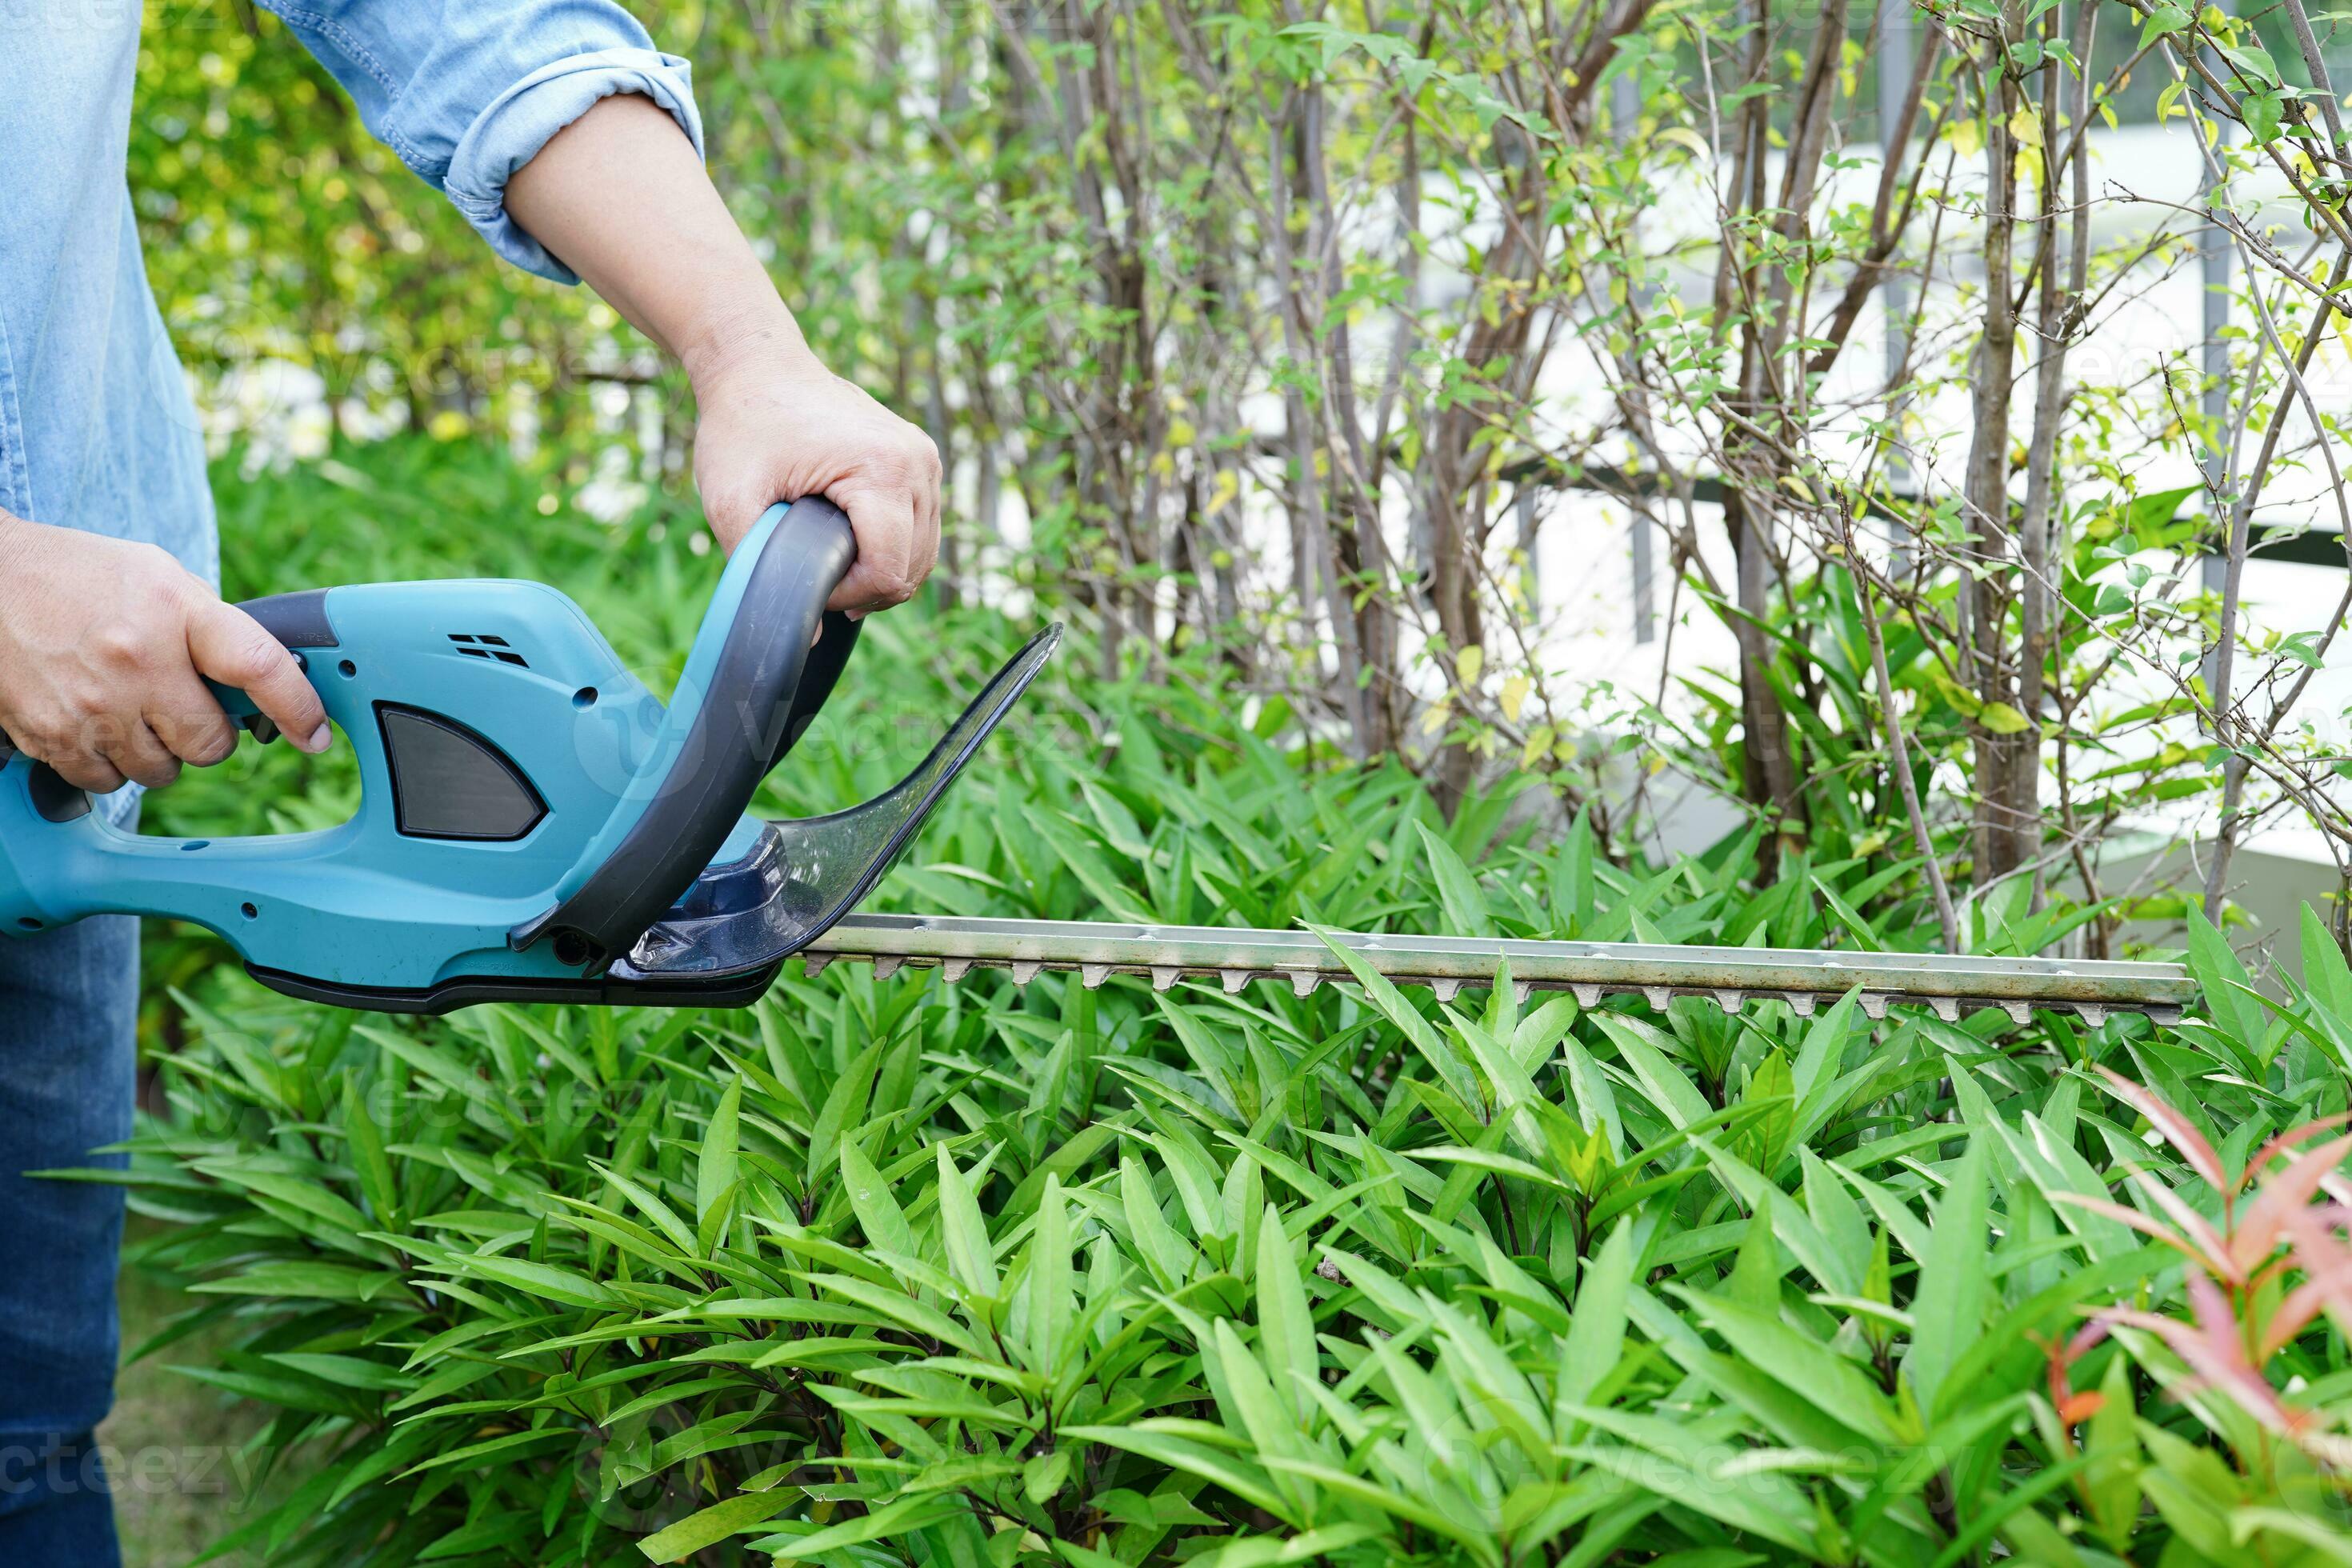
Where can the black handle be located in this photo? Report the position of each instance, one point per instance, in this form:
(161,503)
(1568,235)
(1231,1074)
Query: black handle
(825,662)
(766,677)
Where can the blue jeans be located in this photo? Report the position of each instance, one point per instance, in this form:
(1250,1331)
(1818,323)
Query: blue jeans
(69,1012)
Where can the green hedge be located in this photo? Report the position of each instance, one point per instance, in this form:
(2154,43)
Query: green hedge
(898,1272)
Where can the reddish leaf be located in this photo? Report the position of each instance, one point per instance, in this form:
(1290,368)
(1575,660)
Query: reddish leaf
(2326,1284)
(2293,1136)
(2124,1213)
(2061,1361)
(2077,1408)
(2214,1349)
(2178,1130)
(2208,1241)
(2289,1192)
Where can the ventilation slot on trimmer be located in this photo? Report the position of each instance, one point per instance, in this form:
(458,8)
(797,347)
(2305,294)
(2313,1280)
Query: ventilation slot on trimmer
(482,644)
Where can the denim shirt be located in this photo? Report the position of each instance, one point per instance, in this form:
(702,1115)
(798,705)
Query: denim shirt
(96,428)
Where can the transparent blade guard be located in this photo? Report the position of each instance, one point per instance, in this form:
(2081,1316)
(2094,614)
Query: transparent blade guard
(804,874)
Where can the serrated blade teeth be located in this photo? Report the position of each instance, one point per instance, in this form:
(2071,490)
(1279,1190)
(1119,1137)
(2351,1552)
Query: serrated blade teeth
(1953,985)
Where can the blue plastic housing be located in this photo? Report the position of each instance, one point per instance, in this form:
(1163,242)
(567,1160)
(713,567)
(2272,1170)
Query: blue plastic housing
(363,903)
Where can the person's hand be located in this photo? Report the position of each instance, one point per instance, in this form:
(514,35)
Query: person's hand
(778,428)
(621,195)
(101,646)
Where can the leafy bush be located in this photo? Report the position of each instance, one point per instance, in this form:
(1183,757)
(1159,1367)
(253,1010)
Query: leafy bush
(898,1272)
(1139,307)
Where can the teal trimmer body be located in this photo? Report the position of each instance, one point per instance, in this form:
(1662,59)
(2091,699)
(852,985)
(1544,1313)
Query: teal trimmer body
(534,824)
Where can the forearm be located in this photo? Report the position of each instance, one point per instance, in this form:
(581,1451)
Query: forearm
(621,198)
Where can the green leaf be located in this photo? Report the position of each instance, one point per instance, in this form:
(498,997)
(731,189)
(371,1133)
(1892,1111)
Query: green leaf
(1179,1445)
(539,1280)
(1595,1341)
(1285,1322)
(1043,1477)
(715,1172)
(904,1517)
(1443,1058)
(712,1229)
(1085,862)
(350,1372)
(317,1281)
(969,1252)
(2226,985)
(365,1142)
(2163,20)
(2325,970)
(1676,1098)
(2303,648)
(1827,1381)
(2262,113)
(506,1448)
(1245,1396)
(665,1218)
(2001,719)
(1164,1253)
(311,1198)
(2111,1442)
(878,1215)
(1052,1292)
(843,1104)
(1955,1280)
(1457,890)
(1814,1075)
(2252,59)
(690,1535)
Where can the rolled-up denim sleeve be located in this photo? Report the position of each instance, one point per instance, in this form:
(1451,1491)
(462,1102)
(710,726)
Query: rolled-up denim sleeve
(466,93)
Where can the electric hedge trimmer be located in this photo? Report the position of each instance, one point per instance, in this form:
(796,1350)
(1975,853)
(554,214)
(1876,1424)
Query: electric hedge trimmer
(535,825)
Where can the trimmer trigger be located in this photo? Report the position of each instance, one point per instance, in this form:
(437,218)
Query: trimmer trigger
(261,726)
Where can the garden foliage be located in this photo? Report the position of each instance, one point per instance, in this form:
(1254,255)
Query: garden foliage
(1309,330)
(897,1272)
